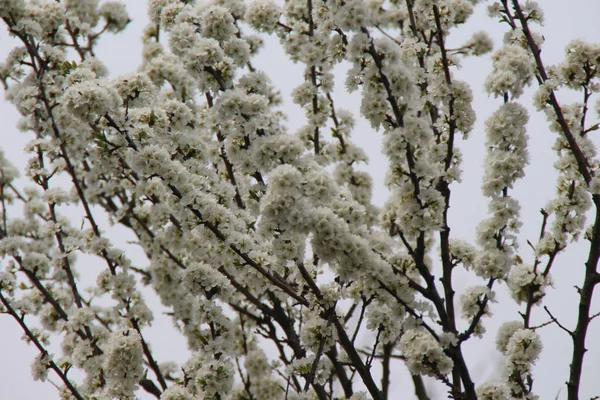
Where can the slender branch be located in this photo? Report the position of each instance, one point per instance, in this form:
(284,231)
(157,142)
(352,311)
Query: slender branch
(582,162)
(345,341)
(553,318)
(587,290)
(385,366)
(33,338)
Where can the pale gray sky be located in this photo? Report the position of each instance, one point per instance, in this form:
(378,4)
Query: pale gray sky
(565,20)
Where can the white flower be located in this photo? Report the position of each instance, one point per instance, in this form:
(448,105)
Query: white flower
(11,8)
(463,252)
(491,263)
(504,334)
(123,365)
(541,98)
(448,339)
(317,330)
(263,15)
(532,11)
(238,50)
(56,196)
(461,9)
(384,322)
(480,43)
(135,90)
(351,15)
(580,58)
(506,141)
(513,69)
(527,285)
(91,99)
(50,15)
(155,8)
(176,392)
(217,23)
(492,391)
(7,282)
(523,348)
(115,14)
(522,351)
(202,279)
(464,115)
(79,318)
(472,303)
(256,363)
(209,377)
(472,299)
(424,355)
(40,367)
(303,366)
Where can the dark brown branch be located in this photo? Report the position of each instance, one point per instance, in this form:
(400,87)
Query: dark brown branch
(31,336)
(553,318)
(385,366)
(582,162)
(420,390)
(587,290)
(345,341)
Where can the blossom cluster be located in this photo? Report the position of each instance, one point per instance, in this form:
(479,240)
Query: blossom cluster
(260,239)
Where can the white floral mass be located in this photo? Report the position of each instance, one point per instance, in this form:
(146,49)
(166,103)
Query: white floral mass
(261,239)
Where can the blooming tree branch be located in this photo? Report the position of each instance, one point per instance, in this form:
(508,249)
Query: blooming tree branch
(264,246)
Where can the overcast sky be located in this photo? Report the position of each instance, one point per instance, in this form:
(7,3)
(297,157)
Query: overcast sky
(564,21)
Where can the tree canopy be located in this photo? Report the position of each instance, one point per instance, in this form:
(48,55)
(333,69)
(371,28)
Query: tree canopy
(261,239)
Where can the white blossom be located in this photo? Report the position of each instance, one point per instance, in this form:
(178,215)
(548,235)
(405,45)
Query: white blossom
(304,366)
(505,333)
(91,99)
(209,377)
(123,364)
(383,321)
(507,148)
(8,8)
(202,279)
(263,15)
(522,351)
(176,392)
(7,282)
(115,14)
(423,354)
(317,332)
(480,43)
(492,391)
(217,23)
(513,69)
(579,57)
(472,300)
(40,367)
(261,237)
(527,284)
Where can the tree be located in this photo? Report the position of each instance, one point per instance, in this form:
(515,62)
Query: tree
(264,246)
